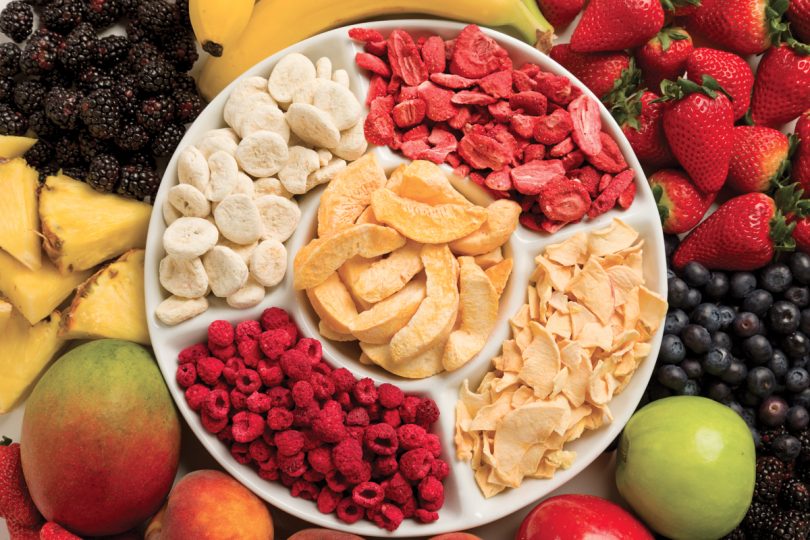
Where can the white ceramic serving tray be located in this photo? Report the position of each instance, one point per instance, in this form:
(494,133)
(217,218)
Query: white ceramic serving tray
(464,507)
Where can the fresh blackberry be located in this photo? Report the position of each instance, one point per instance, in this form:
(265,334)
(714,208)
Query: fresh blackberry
(155,76)
(157,17)
(155,113)
(46,170)
(127,94)
(29,95)
(804,438)
(184,82)
(62,107)
(188,105)
(141,54)
(68,153)
(128,7)
(771,473)
(94,78)
(104,173)
(40,53)
(12,121)
(39,154)
(102,13)
(138,182)
(167,140)
(58,77)
(141,159)
(80,48)
(181,6)
(42,126)
(91,147)
(37,3)
(736,534)
(100,113)
(62,15)
(136,32)
(131,137)
(77,172)
(790,525)
(9,59)
(759,518)
(180,49)
(769,436)
(6,89)
(112,50)
(17,20)
(795,495)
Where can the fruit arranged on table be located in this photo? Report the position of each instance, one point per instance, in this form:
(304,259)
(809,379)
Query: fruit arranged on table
(576,345)
(19,224)
(580,517)
(681,205)
(686,465)
(428,306)
(524,134)
(354,448)
(604,25)
(209,504)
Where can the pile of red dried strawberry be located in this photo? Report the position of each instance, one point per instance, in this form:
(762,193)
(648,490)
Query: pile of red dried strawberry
(521,133)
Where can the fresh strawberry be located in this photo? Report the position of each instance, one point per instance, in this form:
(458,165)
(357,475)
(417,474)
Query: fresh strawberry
(759,158)
(664,56)
(612,25)
(680,204)
(640,116)
(741,26)
(801,234)
(699,125)
(17,531)
(782,86)
(598,71)
(730,71)
(681,8)
(560,13)
(54,531)
(799,15)
(800,171)
(15,501)
(743,233)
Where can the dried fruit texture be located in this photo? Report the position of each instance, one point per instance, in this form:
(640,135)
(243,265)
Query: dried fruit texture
(378,324)
(348,194)
(575,345)
(385,277)
(502,220)
(333,304)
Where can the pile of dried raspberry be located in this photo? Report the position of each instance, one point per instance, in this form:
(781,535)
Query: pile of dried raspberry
(354,448)
(521,133)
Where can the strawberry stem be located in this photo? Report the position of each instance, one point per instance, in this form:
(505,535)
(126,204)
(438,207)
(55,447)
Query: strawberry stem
(663,210)
(670,34)
(778,29)
(672,5)
(675,90)
(5,441)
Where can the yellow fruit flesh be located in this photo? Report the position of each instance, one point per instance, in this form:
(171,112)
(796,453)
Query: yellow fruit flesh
(19,216)
(12,146)
(219,22)
(5,314)
(110,304)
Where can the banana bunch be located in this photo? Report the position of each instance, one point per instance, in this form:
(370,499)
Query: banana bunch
(276,24)
(217,23)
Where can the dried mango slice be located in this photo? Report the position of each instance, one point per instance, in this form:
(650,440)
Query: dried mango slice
(385,277)
(502,220)
(427,364)
(333,304)
(425,182)
(424,223)
(378,324)
(478,306)
(348,194)
(434,320)
(499,274)
(316,261)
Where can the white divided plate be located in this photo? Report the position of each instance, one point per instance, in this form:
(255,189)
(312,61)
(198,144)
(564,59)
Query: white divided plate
(464,506)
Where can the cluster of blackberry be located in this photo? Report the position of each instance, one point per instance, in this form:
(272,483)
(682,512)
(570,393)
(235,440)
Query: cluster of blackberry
(103,108)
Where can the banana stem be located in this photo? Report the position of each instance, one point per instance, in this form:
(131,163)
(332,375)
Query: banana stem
(533,24)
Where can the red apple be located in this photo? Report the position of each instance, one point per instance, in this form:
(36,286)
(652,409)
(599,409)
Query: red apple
(580,517)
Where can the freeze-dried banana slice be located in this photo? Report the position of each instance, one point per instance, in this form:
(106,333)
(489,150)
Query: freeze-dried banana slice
(224,174)
(251,294)
(170,213)
(189,201)
(192,168)
(264,118)
(189,237)
(263,153)
(280,217)
(270,186)
(341,76)
(243,250)
(325,174)
(238,219)
(291,72)
(338,102)
(301,162)
(175,309)
(244,185)
(183,277)
(215,141)
(227,272)
(353,143)
(323,68)
(314,126)
(268,263)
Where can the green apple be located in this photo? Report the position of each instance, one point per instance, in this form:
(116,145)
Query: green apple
(687,466)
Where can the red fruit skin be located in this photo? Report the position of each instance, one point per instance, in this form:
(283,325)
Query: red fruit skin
(648,141)
(685,204)
(757,157)
(801,234)
(580,517)
(598,71)
(22,532)
(738,25)
(560,13)
(53,531)
(657,64)
(735,237)
(730,70)
(604,25)
(700,131)
(15,500)
(801,159)
(781,88)
(799,15)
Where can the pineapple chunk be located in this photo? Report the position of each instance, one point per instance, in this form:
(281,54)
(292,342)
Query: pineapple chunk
(83,227)
(5,314)
(110,304)
(19,218)
(25,350)
(36,293)
(12,146)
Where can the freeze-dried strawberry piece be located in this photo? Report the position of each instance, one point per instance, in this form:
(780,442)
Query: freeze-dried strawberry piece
(394,84)
(407,93)
(476,55)
(413,149)
(604,182)
(587,124)
(564,200)
(498,84)
(572,160)
(461,119)
(531,177)
(419,132)
(588,177)
(501,111)
(531,222)
(522,81)
(627,196)
(438,101)
(555,87)
(409,113)
(442,138)
(530,69)
(562,148)
(372,63)
(551,226)
(534,151)
(364,35)
(377,88)
(434,54)
(483,152)
(404,57)
(523,125)
(500,132)
(610,159)
(607,199)
(499,180)
(471,97)
(453,82)
(379,126)
(553,128)
(533,103)
(377,48)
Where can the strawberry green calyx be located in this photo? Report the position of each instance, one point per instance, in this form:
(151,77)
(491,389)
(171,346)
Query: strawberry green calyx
(5,441)
(676,90)
(798,47)
(672,5)
(663,209)
(670,34)
(627,85)
(778,29)
(781,232)
(789,202)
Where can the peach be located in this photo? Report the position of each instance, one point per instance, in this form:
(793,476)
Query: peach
(209,505)
(323,534)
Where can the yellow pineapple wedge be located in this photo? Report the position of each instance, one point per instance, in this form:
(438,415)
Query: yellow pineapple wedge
(110,304)
(12,146)
(35,293)
(25,350)
(83,227)
(19,217)
(5,314)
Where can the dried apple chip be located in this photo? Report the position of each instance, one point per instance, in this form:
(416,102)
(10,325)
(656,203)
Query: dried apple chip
(386,276)
(348,194)
(489,259)
(502,220)
(333,304)
(379,323)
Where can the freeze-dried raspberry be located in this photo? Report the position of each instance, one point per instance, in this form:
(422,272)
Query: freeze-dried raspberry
(320,459)
(355,432)
(328,500)
(346,454)
(409,508)
(250,352)
(273,318)
(398,489)
(287,480)
(247,426)
(322,385)
(381,439)
(195,396)
(295,365)
(427,412)
(289,442)
(313,476)
(305,490)
(193,353)
(349,511)
(271,475)
(415,464)
(279,418)
(225,435)
(311,348)
(238,400)
(384,466)
(389,517)
(440,469)
(259,451)
(217,404)
(390,396)
(294,465)
(323,368)
(303,416)
(361,472)
(280,397)
(248,330)
(271,376)
(220,333)
(209,369)
(391,417)
(231,369)
(336,481)
(274,342)
(433,444)
(407,411)
(213,425)
(425,516)
(364,35)
(310,440)
(247,381)
(411,436)
(364,392)
(328,427)
(271,463)
(357,417)
(343,380)
(345,400)
(258,402)
(186,374)
(368,494)
(241,453)
(302,393)
(430,490)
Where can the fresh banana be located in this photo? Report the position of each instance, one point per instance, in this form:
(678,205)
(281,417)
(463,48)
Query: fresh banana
(218,23)
(277,24)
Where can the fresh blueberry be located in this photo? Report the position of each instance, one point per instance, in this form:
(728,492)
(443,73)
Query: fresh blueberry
(803,362)
(778,363)
(676,321)
(758,349)
(756,437)
(802,398)
(695,274)
(742,283)
(657,391)
(716,361)
(696,338)
(672,377)
(749,399)
(745,324)
(735,406)
(797,418)
(795,345)
(776,278)
(718,391)
(718,286)
(693,299)
(735,374)
(761,382)
(708,316)
(678,291)
(722,340)
(727,315)
(692,368)
(758,302)
(796,380)
(787,448)
(804,325)
(772,411)
(671,273)
(784,317)
(672,350)
(749,416)
(800,267)
(798,295)
(691,388)
(671,243)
